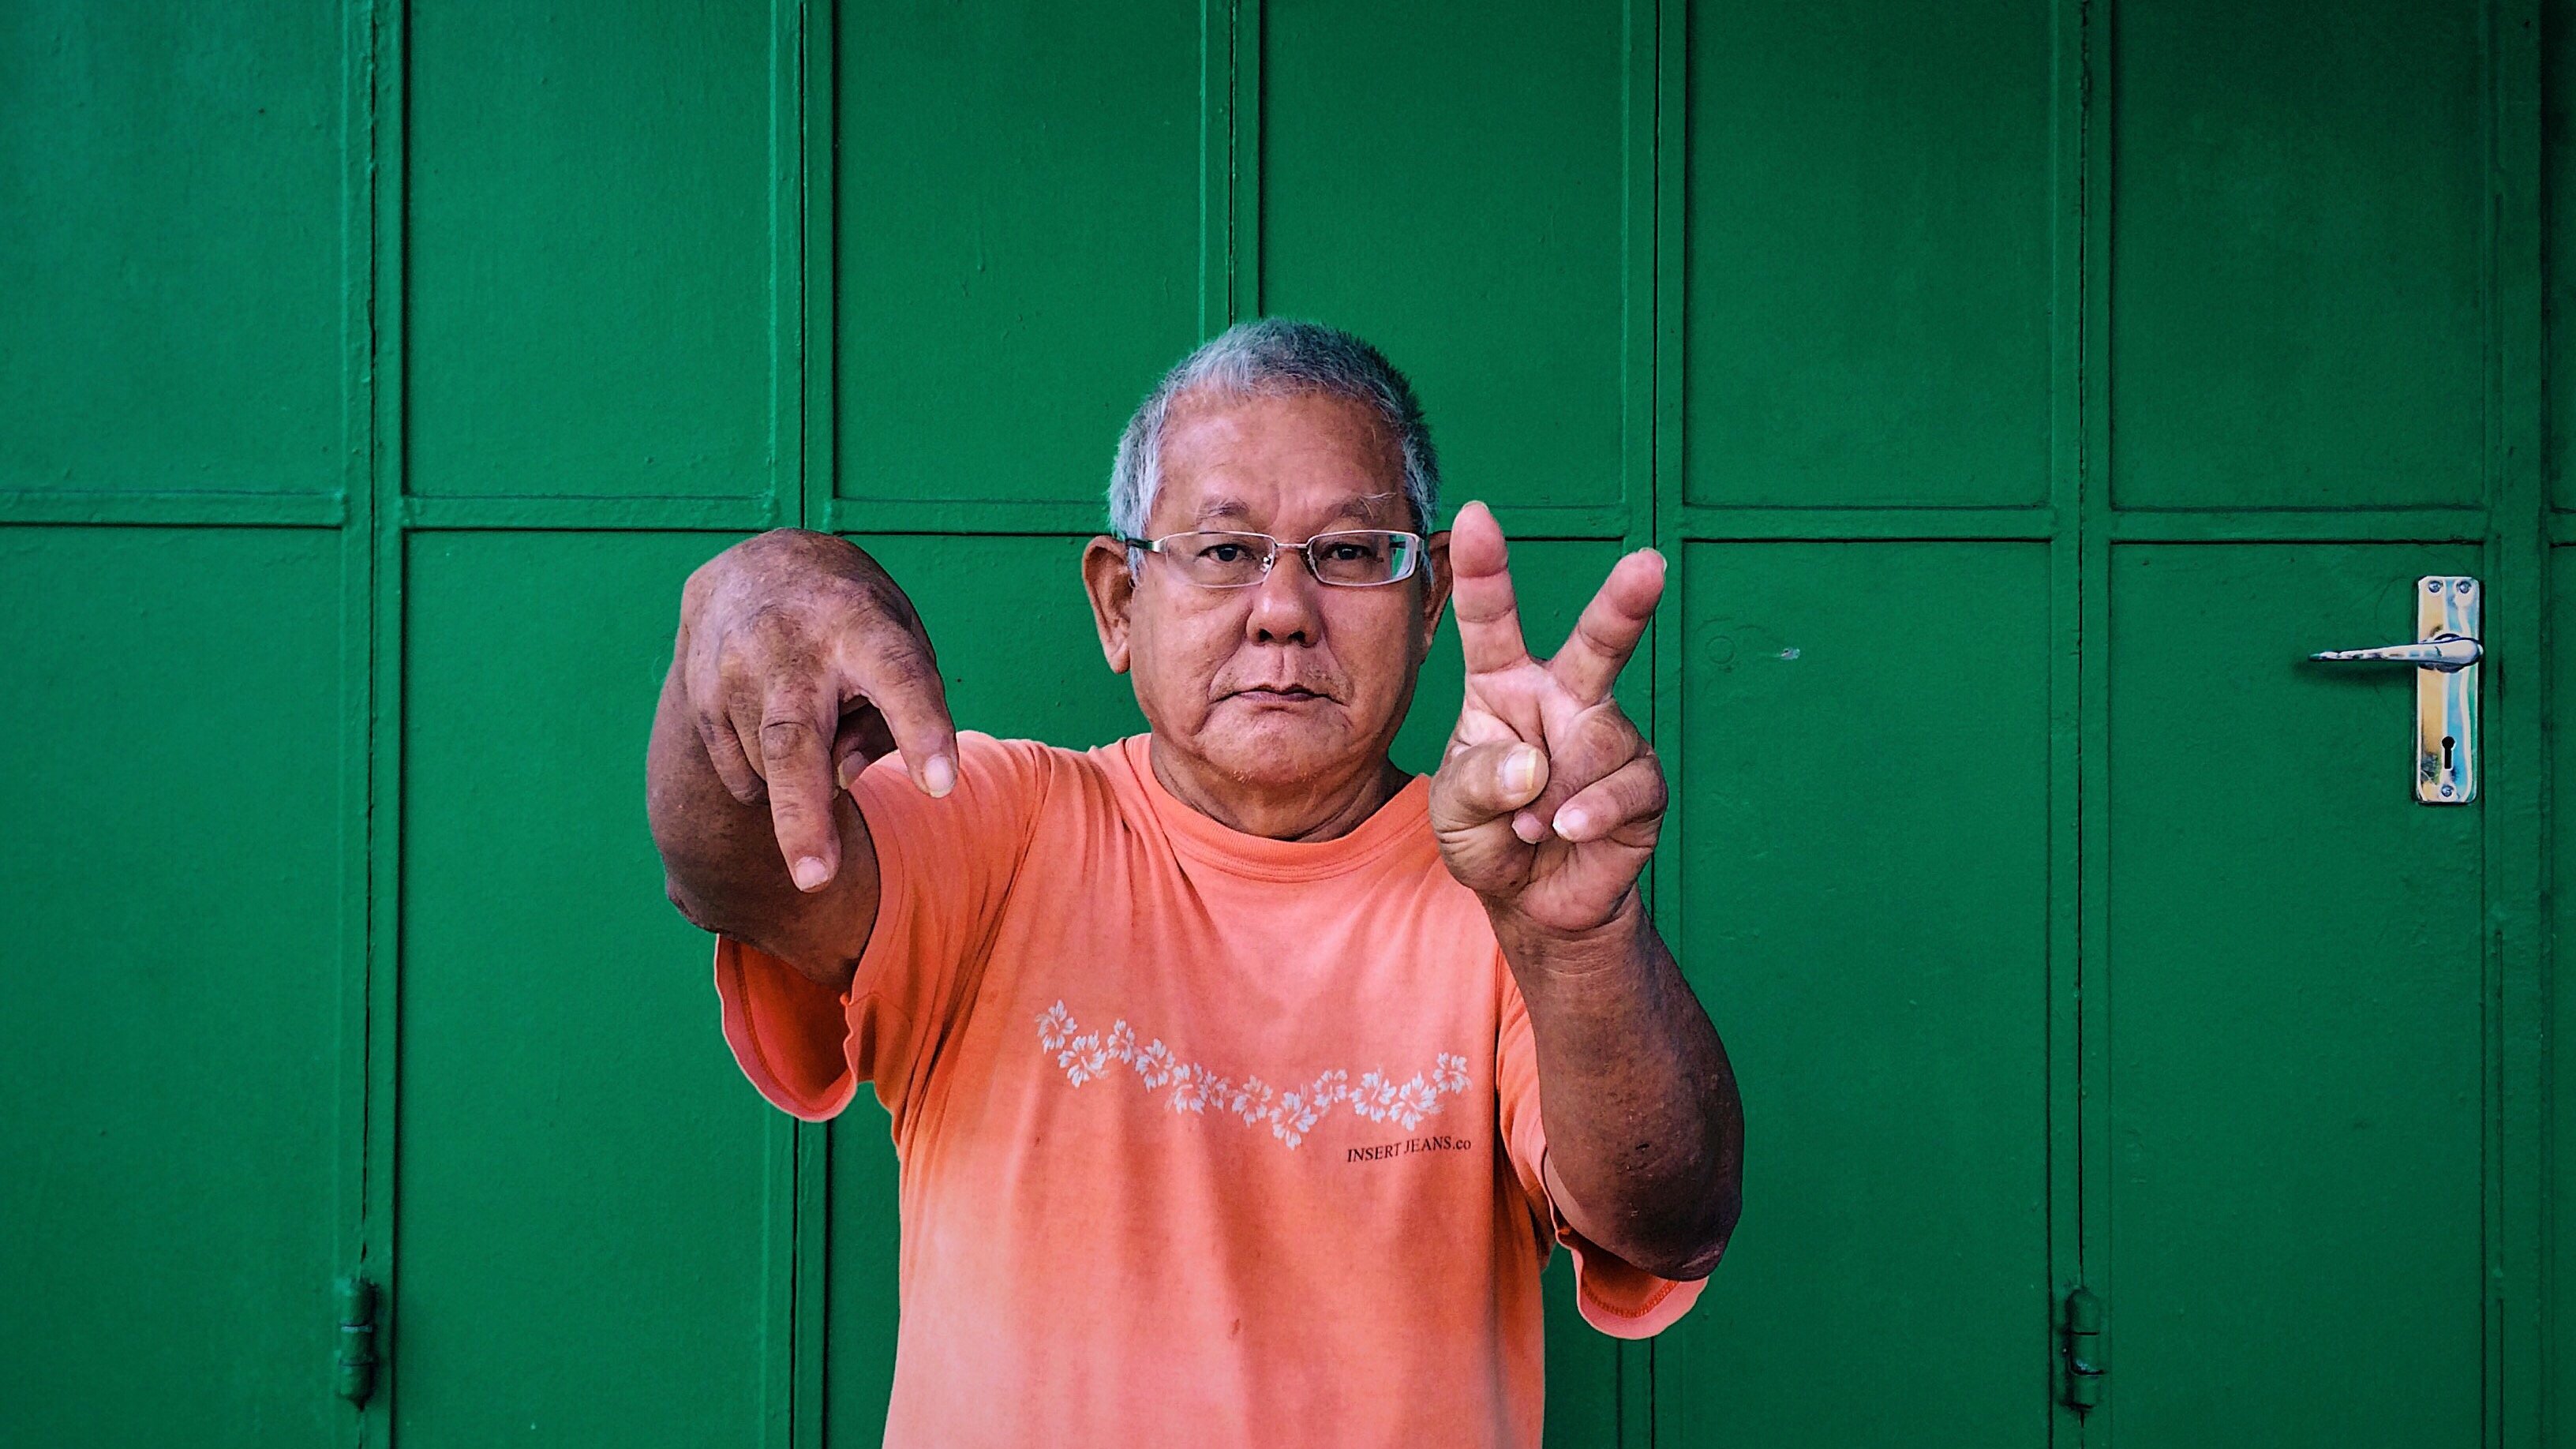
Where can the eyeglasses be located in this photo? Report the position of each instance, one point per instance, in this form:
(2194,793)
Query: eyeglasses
(1356,558)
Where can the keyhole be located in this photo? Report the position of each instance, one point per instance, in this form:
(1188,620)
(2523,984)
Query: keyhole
(2447,742)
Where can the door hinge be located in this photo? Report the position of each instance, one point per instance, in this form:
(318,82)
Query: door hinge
(2081,1318)
(357,1362)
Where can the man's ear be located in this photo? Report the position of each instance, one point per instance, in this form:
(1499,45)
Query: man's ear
(1112,587)
(1435,585)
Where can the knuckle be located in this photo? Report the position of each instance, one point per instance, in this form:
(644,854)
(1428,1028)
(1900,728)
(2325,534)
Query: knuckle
(1601,634)
(865,605)
(1610,743)
(780,634)
(1651,794)
(783,737)
(900,672)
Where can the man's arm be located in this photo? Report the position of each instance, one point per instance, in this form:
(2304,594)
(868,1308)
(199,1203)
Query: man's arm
(1645,1132)
(1548,806)
(798,661)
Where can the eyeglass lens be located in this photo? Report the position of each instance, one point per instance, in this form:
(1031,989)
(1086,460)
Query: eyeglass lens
(1356,558)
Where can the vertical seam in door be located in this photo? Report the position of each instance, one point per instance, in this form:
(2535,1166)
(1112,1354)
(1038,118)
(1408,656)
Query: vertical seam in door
(1667,82)
(2515,797)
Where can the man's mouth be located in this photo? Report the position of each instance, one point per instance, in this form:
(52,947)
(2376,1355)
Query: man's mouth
(1279,692)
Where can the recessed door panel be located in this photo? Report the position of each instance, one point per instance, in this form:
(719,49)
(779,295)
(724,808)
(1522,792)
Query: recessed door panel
(2298,254)
(1863,902)
(1018,229)
(583,1249)
(1866,276)
(171,247)
(171,868)
(2561,1226)
(2295,982)
(1449,182)
(589,256)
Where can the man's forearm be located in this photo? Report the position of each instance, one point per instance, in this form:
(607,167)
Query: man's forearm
(1645,1132)
(722,867)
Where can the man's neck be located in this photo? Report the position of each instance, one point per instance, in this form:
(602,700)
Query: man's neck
(1317,810)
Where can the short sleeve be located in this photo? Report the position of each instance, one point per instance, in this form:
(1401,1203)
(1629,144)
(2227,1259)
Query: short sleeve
(944,868)
(1615,1297)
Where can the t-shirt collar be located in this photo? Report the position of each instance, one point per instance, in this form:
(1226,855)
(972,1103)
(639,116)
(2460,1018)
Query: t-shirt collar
(1404,820)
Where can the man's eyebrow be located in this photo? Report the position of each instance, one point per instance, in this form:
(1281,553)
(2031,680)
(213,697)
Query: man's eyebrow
(1359,507)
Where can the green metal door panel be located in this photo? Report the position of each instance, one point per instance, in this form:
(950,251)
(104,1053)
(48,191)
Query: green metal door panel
(1866,281)
(170,179)
(589,249)
(1018,230)
(2295,970)
(1864,811)
(170,873)
(2299,254)
(2559,241)
(1448,181)
(1583,1369)
(862,1277)
(581,1249)
(2558,233)
(2560,1230)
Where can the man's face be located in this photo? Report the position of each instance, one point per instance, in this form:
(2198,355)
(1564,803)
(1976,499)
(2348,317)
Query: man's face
(1288,681)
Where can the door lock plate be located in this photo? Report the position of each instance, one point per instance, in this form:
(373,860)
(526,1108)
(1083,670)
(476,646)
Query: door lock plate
(2445,654)
(2446,700)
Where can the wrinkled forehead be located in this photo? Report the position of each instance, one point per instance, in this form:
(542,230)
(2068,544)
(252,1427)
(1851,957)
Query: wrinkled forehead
(1296,461)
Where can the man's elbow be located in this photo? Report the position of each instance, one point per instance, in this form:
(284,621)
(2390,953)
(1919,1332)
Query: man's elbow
(1706,1243)
(687,905)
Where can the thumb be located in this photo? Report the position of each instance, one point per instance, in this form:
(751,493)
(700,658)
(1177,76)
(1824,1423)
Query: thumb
(1479,784)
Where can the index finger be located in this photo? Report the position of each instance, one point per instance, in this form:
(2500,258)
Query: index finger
(1607,634)
(1480,589)
(901,680)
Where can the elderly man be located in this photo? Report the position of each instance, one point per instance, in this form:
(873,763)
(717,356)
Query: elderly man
(1215,1055)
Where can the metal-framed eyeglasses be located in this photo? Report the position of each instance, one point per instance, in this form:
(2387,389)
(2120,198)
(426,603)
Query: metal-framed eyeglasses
(1350,558)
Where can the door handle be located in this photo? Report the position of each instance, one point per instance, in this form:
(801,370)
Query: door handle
(2442,651)
(2445,654)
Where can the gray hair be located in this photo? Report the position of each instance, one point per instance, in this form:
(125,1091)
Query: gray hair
(1271,357)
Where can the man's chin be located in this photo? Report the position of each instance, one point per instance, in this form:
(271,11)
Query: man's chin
(1274,745)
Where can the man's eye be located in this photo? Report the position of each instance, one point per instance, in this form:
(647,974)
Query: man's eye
(1223,553)
(1352,553)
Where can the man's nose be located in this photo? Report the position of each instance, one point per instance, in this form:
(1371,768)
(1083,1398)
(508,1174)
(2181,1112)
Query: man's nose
(1285,606)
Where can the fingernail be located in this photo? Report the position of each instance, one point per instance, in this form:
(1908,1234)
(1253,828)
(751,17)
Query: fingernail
(1570,822)
(1520,770)
(811,872)
(850,769)
(939,777)
(1527,827)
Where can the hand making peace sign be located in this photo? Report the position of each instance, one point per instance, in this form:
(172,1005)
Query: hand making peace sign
(1548,801)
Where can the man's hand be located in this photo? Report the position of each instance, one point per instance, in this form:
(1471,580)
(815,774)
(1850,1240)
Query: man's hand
(798,662)
(1547,806)
(1549,801)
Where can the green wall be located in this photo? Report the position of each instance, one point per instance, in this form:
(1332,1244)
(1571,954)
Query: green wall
(2020,386)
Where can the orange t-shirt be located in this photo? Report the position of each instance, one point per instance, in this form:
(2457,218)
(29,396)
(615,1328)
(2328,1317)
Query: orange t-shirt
(1205,1138)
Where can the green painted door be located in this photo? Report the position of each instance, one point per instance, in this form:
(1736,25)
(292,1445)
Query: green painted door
(2069,929)
(2021,387)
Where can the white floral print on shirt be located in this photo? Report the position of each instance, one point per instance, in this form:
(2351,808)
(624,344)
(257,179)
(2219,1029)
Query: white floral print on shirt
(1290,1115)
